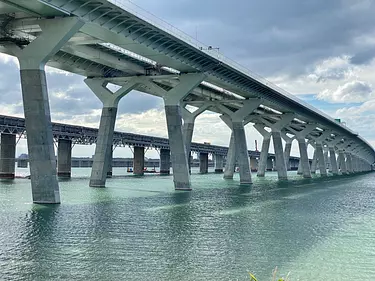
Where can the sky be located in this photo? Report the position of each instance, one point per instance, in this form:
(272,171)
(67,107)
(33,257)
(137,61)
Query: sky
(321,51)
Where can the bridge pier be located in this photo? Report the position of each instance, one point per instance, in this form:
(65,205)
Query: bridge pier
(287,149)
(203,162)
(279,155)
(342,162)
(32,59)
(165,161)
(263,159)
(7,156)
(139,161)
(349,166)
(188,127)
(304,159)
(219,163)
(230,164)
(253,164)
(64,158)
(321,159)
(332,156)
(103,149)
(314,163)
(110,159)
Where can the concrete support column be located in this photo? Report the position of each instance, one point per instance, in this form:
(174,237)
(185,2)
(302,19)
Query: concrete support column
(64,158)
(103,147)
(279,155)
(321,159)
(253,164)
(21,163)
(314,163)
(242,153)
(299,170)
(342,161)
(327,160)
(304,159)
(231,159)
(348,163)
(110,159)
(7,156)
(332,156)
(103,150)
(203,163)
(219,163)
(288,147)
(32,59)
(264,156)
(165,161)
(139,161)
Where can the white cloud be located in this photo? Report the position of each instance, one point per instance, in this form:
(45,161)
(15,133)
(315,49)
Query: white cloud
(334,68)
(351,92)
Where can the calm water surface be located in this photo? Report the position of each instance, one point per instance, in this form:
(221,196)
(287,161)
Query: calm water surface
(140,229)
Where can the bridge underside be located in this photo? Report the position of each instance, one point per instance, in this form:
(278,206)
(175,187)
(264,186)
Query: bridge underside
(107,44)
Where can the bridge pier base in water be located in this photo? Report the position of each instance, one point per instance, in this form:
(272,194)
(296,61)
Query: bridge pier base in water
(139,161)
(263,159)
(7,156)
(287,149)
(219,163)
(203,162)
(304,159)
(230,164)
(279,155)
(64,158)
(103,149)
(332,156)
(165,161)
(321,159)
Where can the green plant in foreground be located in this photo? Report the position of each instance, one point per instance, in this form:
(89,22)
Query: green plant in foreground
(274,272)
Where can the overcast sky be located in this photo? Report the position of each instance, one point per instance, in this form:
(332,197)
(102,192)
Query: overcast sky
(321,51)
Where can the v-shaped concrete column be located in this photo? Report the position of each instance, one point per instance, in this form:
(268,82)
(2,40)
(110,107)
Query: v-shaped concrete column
(287,149)
(332,156)
(32,59)
(231,158)
(276,128)
(103,149)
(321,159)
(188,127)
(236,121)
(172,105)
(342,162)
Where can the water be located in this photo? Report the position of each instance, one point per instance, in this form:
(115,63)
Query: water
(140,229)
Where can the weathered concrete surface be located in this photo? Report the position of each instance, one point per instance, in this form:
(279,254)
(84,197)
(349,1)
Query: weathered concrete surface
(304,159)
(288,148)
(342,162)
(7,156)
(321,159)
(231,158)
(219,163)
(103,147)
(64,158)
(181,177)
(332,156)
(263,157)
(139,161)
(242,153)
(203,163)
(314,163)
(45,188)
(279,155)
(165,161)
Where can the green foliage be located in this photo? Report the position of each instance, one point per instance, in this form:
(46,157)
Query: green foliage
(274,276)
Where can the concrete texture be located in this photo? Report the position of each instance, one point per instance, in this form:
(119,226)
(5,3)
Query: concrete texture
(253,164)
(279,156)
(231,158)
(219,163)
(165,161)
(304,159)
(7,156)
(288,147)
(321,159)
(314,163)
(332,156)
(139,161)
(342,162)
(45,188)
(203,163)
(103,147)
(242,153)
(263,157)
(181,177)
(109,169)
(64,158)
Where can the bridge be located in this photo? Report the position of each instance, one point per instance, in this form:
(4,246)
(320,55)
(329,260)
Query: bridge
(65,136)
(107,42)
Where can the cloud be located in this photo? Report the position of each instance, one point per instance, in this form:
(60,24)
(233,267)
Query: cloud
(351,92)
(335,68)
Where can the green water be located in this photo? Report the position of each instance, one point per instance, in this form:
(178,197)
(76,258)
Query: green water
(140,229)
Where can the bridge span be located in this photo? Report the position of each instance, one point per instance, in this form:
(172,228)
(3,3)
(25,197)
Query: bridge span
(106,42)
